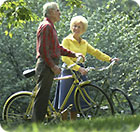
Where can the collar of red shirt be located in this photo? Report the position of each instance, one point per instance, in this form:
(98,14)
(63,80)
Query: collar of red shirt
(47,19)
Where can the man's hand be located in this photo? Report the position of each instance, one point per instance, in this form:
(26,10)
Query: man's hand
(78,55)
(56,70)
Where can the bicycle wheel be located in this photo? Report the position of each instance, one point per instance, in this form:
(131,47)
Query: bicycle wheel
(92,101)
(15,108)
(121,102)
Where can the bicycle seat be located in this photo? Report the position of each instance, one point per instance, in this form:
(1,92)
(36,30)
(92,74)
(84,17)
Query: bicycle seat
(29,73)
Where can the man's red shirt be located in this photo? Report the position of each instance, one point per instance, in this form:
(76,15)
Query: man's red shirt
(48,46)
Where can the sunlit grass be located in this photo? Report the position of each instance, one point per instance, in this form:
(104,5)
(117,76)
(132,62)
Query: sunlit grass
(120,123)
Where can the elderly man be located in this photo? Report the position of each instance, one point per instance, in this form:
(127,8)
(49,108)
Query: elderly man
(48,53)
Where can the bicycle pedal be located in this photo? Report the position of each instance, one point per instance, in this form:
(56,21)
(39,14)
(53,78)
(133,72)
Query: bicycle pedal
(70,106)
(67,109)
(27,117)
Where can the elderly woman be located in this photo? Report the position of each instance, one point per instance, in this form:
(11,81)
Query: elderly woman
(75,43)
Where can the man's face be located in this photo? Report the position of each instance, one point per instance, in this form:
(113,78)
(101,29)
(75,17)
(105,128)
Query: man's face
(55,14)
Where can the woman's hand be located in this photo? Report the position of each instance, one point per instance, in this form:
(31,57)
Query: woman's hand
(83,71)
(114,59)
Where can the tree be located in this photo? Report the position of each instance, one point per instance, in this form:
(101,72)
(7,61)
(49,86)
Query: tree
(15,14)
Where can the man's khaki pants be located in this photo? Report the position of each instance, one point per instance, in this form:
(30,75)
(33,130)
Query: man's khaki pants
(44,81)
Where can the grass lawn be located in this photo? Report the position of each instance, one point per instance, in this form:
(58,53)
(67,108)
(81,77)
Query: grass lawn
(118,123)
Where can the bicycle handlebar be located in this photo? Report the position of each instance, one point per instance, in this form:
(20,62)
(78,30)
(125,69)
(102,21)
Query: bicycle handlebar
(78,60)
(101,69)
(93,68)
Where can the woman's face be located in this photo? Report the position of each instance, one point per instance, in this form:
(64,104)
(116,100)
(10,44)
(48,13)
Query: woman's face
(78,28)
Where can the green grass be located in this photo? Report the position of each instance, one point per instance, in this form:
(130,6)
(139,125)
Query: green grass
(120,123)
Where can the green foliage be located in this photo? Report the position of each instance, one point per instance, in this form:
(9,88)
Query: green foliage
(14,14)
(74,3)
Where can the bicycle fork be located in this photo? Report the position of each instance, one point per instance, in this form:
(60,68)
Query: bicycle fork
(28,113)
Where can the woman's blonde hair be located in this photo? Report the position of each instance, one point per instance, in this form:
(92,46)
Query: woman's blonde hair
(78,19)
(48,6)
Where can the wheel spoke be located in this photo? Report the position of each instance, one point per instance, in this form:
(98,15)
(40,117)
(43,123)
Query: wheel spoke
(93,102)
(15,109)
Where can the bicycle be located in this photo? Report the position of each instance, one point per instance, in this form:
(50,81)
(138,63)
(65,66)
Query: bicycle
(120,100)
(18,107)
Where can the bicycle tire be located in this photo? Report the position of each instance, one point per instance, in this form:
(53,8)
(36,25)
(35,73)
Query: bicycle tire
(15,107)
(97,104)
(121,102)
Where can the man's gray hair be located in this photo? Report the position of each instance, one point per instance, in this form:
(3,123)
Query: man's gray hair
(47,7)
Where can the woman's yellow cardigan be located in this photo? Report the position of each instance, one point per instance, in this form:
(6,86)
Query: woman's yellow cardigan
(83,47)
